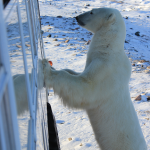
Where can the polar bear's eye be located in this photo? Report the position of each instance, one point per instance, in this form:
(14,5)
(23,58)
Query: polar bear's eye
(91,12)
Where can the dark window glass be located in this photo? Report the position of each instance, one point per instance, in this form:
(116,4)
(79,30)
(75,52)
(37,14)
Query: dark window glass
(5,2)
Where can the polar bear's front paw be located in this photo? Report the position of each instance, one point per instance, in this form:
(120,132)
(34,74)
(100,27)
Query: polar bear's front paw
(46,72)
(45,63)
(46,66)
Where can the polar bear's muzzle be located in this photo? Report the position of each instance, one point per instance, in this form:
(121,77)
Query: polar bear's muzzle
(79,21)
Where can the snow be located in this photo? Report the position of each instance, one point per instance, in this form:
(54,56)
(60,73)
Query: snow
(58,26)
(75,123)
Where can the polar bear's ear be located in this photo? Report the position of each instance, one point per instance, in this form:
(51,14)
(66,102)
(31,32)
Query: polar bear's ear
(111,17)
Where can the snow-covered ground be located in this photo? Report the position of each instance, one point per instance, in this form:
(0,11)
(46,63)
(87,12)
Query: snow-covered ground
(66,45)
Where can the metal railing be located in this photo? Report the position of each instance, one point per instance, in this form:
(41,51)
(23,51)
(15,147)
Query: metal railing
(9,132)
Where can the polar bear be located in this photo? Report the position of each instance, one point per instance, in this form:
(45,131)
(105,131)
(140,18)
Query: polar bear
(102,89)
(21,93)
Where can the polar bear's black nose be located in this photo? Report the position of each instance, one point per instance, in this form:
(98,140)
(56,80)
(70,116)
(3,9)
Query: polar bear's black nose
(79,21)
(76,18)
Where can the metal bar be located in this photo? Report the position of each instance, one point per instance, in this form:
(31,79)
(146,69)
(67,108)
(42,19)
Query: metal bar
(6,63)
(30,32)
(25,63)
(2,134)
(3,80)
(33,22)
(29,135)
(45,137)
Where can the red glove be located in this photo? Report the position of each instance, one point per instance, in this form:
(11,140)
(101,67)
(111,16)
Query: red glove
(50,62)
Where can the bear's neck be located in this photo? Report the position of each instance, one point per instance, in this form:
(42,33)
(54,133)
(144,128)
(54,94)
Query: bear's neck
(103,44)
(106,42)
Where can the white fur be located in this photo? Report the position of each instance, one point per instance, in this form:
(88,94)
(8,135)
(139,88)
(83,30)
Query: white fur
(102,89)
(20,88)
(21,93)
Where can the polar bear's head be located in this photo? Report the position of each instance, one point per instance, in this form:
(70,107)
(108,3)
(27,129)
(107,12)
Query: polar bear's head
(102,19)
